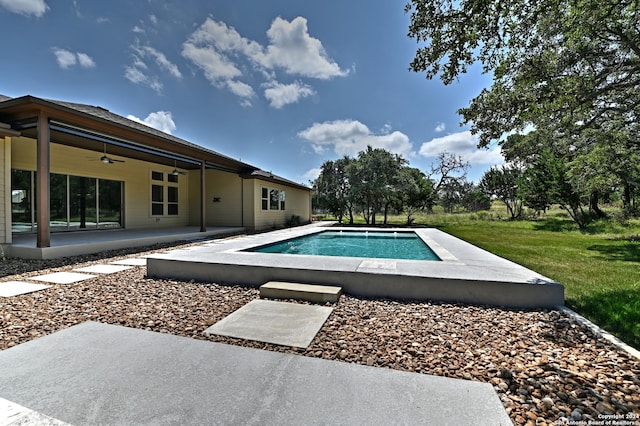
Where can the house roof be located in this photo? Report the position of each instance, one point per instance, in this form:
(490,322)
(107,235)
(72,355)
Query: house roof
(270,177)
(100,119)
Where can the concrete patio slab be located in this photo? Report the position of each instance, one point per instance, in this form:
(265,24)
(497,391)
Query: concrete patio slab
(135,261)
(103,269)
(280,323)
(63,277)
(12,414)
(110,375)
(76,243)
(16,288)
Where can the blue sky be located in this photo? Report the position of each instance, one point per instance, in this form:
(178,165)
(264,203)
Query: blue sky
(284,85)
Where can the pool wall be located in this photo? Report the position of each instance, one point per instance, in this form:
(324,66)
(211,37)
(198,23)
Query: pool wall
(466,273)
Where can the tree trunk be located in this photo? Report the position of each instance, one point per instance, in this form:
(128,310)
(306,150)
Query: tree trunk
(626,196)
(594,197)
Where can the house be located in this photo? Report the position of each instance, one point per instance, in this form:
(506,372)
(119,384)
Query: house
(102,171)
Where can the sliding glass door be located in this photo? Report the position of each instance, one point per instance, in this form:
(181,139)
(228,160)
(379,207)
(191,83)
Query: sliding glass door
(76,202)
(22,202)
(109,203)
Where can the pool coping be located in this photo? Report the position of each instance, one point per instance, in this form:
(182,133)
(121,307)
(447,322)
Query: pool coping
(456,278)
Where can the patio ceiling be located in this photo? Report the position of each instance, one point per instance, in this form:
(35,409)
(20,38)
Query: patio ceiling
(90,127)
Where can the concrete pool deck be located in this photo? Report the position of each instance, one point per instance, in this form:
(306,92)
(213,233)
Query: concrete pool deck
(466,274)
(95,373)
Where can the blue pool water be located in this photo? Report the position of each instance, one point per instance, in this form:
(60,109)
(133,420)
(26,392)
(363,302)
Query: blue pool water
(385,245)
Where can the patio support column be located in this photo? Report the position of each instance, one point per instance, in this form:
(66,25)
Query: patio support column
(43,238)
(203,201)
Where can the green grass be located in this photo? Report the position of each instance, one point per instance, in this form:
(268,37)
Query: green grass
(599,267)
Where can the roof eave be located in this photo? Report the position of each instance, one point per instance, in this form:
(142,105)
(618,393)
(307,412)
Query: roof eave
(49,107)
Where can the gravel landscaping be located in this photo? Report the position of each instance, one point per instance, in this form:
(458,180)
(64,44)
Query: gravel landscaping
(545,367)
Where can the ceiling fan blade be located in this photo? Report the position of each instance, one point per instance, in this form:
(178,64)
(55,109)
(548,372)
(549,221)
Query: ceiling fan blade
(108,160)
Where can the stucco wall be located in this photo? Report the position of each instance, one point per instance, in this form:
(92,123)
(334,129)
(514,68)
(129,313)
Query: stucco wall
(135,174)
(249,201)
(298,203)
(223,186)
(239,199)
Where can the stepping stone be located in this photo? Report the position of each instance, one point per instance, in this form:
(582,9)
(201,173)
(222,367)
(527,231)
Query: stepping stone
(136,261)
(63,277)
(309,292)
(16,288)
(280,323)
(103,269)
(15,414)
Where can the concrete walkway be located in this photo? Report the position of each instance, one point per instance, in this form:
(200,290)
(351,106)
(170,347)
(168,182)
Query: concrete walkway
(96,373)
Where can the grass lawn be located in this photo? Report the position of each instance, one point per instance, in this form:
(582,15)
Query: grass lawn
(599,267)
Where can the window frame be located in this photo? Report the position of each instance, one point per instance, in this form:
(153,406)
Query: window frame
(170,191)
(272,199)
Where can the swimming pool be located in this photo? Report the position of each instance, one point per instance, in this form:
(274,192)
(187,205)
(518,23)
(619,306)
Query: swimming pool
(465,273)
(381,245)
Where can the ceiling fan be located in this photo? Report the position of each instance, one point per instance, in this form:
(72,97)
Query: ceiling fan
(108,160)
(175,171)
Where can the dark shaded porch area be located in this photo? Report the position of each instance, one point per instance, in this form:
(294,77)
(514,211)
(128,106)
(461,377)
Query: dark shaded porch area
(86,242)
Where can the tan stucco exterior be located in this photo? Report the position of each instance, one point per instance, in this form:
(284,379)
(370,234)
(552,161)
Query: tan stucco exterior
(223,187)
(135,174)
(58,142)
(298,203)
(230,199)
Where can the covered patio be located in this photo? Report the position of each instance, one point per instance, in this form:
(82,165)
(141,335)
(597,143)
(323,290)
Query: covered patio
(77,178)
(85,242)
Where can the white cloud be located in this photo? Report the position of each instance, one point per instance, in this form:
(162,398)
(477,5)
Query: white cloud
(463,144)
(223,54)
(138,72)
(163,62)
(216,67)
(293,49)
(102,20)
(349,137)
(241,89)
(85,60)
(153,19)
(138,30)
(36,8)
(312,174)
(160,120)
(136,75)
(67,59)
(280,94)
(440,127)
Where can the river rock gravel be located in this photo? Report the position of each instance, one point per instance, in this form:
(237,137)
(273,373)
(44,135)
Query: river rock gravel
(545,367)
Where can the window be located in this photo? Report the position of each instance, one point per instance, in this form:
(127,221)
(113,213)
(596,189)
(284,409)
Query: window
(273,199)
(161,205)
(265,199)
(172,200)
(157,200)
